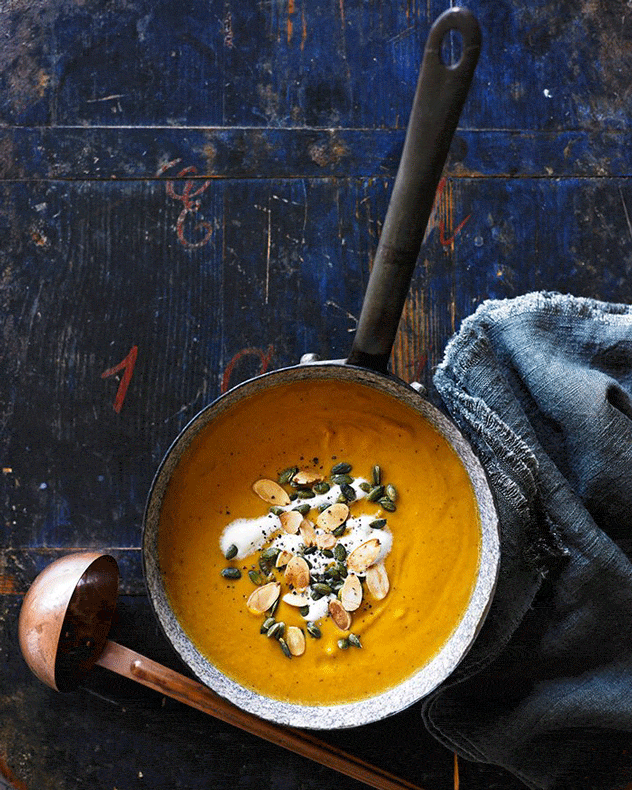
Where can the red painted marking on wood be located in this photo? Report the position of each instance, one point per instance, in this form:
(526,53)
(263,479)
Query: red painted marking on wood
(8,774)
(189,206)
(264,356)
(448,240)
(445,240)
(126,365)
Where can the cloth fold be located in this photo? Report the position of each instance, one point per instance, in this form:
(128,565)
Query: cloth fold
(541,385)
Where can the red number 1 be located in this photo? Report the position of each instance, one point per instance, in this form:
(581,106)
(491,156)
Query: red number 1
(128,366)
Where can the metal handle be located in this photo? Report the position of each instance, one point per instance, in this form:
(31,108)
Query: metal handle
(441,92)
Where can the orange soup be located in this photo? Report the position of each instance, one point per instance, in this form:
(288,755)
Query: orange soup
(319,542)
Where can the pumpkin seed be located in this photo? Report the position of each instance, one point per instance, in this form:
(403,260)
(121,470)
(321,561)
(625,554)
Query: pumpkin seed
(285,649)
(387,504)
(287,474)
(303,509)
(377,475)
(354,640)
(267,624)
(270,553)
(340,553)
(276,510)
(313,630)
(391,492)
(231,573)
(276,630)
(375,493)
(322,588)
(348,492)
(255,577)
(231,552)
(340,480)
(322,487)
(343,644)
(339,531)
(271,492)
(327,553)
(366,487)
(304,611)
(305,493)
(341,468)
(379,523)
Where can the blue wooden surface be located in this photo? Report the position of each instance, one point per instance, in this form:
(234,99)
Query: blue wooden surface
(205,182)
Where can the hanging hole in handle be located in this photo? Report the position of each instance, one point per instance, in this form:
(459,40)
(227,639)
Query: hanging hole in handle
(451,51)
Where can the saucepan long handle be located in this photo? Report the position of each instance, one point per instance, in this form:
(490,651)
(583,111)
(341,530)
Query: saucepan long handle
(441,92)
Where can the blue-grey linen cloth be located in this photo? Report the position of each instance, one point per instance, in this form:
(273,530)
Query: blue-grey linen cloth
(541,385)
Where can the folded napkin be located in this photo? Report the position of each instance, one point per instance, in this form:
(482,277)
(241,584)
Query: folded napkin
(542,387)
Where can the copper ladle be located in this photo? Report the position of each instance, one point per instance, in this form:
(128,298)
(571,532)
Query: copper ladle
(63,628)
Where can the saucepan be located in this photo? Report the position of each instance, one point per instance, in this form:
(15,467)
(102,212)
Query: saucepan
(440,94)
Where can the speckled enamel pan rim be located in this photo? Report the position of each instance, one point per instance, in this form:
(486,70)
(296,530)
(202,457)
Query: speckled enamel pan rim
(381,705)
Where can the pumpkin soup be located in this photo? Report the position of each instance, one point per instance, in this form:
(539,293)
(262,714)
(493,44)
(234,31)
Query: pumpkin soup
(319,542)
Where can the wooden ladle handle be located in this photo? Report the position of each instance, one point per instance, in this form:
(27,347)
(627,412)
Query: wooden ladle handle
(143,670)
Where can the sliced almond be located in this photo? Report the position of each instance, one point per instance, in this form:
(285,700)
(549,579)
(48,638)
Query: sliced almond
(297,599)
(306,477)
(331,518)
(339,615)
(377,581)
(295,640)
(283,557)
(363,556)
(297,573)
(291,521)
(326,540)
(263,598)
(270,491)
(308,533)
(351,593)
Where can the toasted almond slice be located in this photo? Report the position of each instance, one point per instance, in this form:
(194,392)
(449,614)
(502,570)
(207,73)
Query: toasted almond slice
(339,615)
(295,640)
(297,599)
(263,597)
(363,556)
(270,491)
(333,517)
(283,557)
(351,593)
(297,573)
(377,581)
(326,540)
(291,521)
(308,532)
(307,477)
